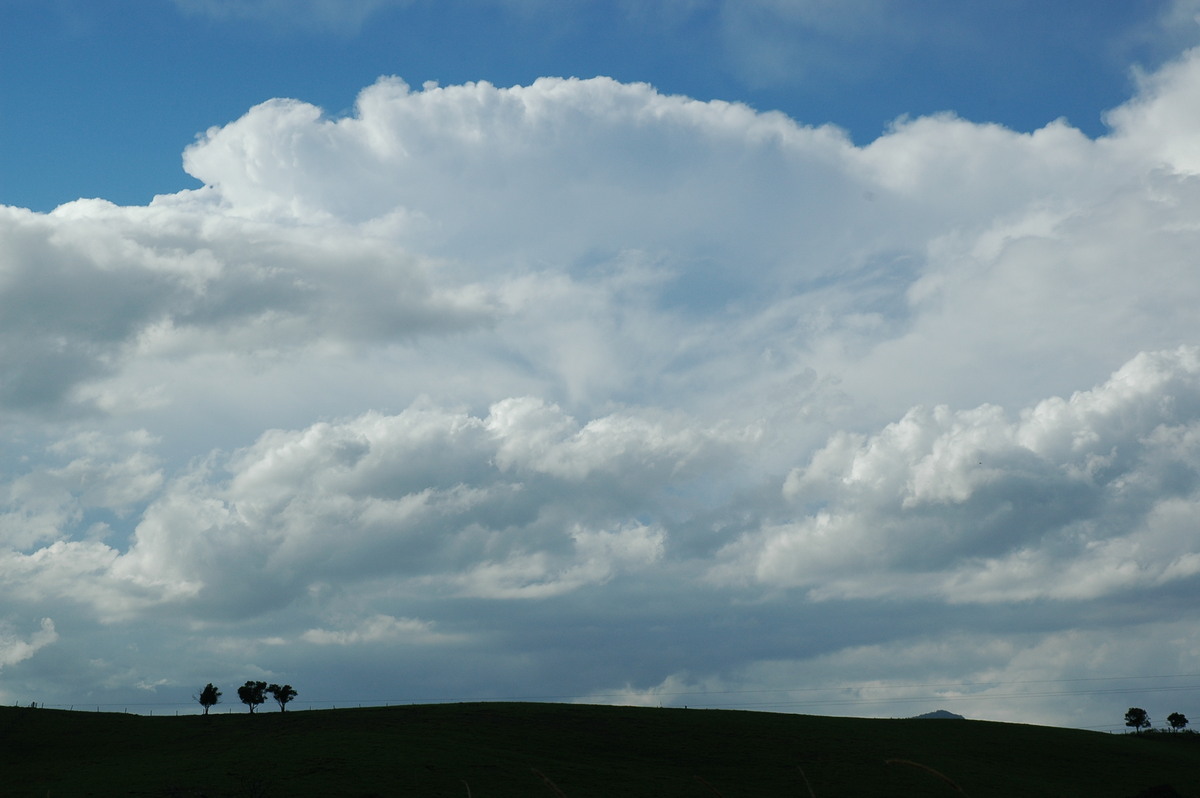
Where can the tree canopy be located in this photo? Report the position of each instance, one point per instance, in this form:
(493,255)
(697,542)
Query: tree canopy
(282,694)
(252,694)
(209,697)
(1137,719)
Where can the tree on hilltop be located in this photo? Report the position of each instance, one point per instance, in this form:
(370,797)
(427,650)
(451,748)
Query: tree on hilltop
(209,697)
(252,694)
(282,695)
(1177,720)
(1137,719)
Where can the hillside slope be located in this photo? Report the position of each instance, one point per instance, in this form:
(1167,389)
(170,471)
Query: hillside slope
(497,750)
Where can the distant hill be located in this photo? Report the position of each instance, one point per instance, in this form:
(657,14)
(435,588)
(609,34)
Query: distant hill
(510,750)
(939,714)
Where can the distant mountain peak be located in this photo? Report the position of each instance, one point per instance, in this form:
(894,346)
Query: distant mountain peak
(939,714)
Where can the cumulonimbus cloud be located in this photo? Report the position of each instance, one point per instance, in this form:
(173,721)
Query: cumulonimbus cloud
(533,346)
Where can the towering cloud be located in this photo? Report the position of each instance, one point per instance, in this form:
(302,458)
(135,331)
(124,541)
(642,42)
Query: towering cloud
(577,378)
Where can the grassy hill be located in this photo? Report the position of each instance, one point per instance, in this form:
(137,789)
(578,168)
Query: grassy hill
(503,750)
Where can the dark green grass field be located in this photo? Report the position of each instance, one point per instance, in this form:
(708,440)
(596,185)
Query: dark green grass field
(498,750)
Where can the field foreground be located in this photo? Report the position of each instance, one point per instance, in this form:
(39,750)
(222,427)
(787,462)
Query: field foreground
(502,750)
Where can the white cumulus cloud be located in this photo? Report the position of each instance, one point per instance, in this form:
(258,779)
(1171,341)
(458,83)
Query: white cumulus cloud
(1072,499)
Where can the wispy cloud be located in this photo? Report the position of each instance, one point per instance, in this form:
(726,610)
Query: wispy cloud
(13,649)
(343,17)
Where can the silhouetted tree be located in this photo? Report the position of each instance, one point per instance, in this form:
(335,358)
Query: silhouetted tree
(1177,720)
(252,694)
(209,697)
(282,695)
(1137,719)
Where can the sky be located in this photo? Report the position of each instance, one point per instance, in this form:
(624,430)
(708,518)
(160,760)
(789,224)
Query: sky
(793,355)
